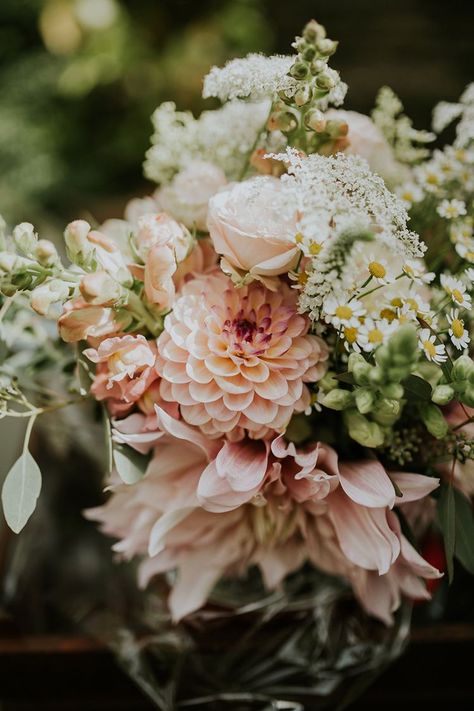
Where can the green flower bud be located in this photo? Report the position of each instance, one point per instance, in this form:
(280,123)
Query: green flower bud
(317,66)
(283,121)
(463,368)
(383,357)
(376,376)
(404,341)
(25,238)
(361,372)
(337,399)
(313,31)
(387,411)
(364,399)
(326,47)
(467,396)
(303,96)
(315,120)
(366,433)
(308,53)
(394,391)
(433,420)
(442,394)
(395,375)
(325,81)
(328,382)
(299,70)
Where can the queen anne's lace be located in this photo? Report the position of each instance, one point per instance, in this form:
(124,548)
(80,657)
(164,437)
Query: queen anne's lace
(223,137)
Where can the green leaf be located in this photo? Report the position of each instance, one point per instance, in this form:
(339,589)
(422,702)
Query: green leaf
(446,507)
(20,491)
(345,378)
(130,465)
(417,388)
(464,543)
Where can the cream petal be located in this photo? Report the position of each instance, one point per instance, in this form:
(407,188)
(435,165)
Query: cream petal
(175,372)
(195,414)
(257,374)
(221,366)
(204,392)
(180,393)
(196,369)
(235,385)
(273,388)
(261,411)
(218,411)
(239,402)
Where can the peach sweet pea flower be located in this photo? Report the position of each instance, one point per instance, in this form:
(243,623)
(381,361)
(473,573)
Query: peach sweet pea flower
(212,508)
(81,320)
(125,370)
(238,359)
(253,226)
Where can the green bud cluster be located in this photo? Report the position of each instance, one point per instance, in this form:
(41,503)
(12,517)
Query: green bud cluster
(297,112)
(375,399)
(402,445)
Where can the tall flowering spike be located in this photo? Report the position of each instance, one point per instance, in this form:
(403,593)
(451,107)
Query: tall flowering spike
(238,359)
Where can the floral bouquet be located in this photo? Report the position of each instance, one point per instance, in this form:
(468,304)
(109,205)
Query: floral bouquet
(280,340)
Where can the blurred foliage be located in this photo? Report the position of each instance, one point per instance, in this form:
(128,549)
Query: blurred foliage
(80,79)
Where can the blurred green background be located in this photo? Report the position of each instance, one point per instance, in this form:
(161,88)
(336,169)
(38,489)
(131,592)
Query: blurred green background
(79,80)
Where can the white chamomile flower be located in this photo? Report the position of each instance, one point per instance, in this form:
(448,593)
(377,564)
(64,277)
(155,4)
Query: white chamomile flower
(433,351)
(457,331)
(431,177)
(451,209)
(416,272)
(351,336)
(409,193)
(466,250)
(374,333)
(342,312)
(456,290)
(461,231)
(380,270)
(469,275)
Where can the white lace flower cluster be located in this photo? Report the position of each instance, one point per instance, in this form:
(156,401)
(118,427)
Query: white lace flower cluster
(223,137)
(446,112)
(256,77)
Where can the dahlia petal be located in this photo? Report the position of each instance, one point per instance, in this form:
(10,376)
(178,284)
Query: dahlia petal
(273,388)
(221,366)
(226,426)
(195,581)
(180,392)
(175,372)
(218,411)
(171,351)
(236,385)
(165,523)
(215,493)
(257,374)
(363,533)
(204,392)
(239,402)
(261,411)
(243,464)
(366,482)
(180,430)
(195,414)
(280,347)
(197,370)
(413,486)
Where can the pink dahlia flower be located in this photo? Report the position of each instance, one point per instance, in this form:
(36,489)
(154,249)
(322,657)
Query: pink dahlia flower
(210,508)
(238,359)
(125,370)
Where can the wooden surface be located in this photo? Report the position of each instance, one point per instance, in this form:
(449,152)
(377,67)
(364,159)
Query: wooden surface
(77,674)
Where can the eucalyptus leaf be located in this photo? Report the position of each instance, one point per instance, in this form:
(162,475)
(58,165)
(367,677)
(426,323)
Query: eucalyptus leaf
(20,491)
(446,507)
(464,543)
(130,465)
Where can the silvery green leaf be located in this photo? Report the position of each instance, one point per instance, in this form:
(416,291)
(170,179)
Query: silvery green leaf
(20,491)
(130,465)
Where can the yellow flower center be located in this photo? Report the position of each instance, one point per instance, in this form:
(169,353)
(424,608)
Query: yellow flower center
(377,270)
(429,348)
(457,296)
(432,179)
(397,302)
(315,248)
(408,196)
(298,238)
(388,314)
(413,303)
(350,334)
(375,336)
(343,312)
(302,278)
(457,327)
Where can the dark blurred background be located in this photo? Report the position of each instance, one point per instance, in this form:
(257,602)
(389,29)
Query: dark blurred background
(79,80)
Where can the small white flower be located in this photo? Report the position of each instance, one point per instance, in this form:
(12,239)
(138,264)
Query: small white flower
(380,270)
(433,351)
(416,272)
(409,193)
(461,231)
(466,250)
(469,274)
(451,209)
(342,312)
(431,177)
(456,290)
(374,333)
(351,336)
(457,331)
